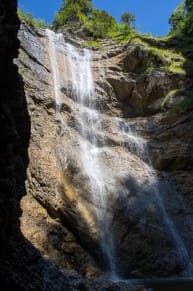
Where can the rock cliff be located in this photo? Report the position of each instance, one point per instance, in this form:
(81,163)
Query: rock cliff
(57,235)
(146,153)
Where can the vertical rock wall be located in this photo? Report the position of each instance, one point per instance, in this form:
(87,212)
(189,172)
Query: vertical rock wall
(129,100)
(15,132)
(21,265)
(9,25)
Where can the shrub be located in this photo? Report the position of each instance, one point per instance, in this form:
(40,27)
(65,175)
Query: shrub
(100,24)
(28,18)
(96,23)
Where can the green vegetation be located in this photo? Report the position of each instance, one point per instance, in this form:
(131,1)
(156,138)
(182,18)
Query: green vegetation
(177,19)
(181,20)
(123,36)
(173,54)
(128,18)
(95,23)
(31,21)
(181,34)
(161,55)
(184,100)
(172,94)
(188,28)
(73,13)
(101,24)
(176,68)
(93,44)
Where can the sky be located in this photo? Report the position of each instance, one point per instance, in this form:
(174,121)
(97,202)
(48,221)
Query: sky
(152,15)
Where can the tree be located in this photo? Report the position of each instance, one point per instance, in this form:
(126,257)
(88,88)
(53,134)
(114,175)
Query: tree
(189,5)
(79,14)
(177,19)
(188,27)
(85,6)
(73,12)
(100,24)
(181,20)
(128,18)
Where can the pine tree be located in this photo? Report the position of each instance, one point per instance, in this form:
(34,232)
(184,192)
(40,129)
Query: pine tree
(128,18)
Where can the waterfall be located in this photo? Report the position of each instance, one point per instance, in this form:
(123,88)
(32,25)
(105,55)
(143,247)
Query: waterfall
(83,92)
(52,37)
(138,146)
(78,64)
(107,169)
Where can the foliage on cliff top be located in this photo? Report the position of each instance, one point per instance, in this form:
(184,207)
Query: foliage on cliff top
(92,44)
(30,20)
(175,51)
(161,55)
(94,22)
(72,13)
(182,100)
(181,34)
(181,20)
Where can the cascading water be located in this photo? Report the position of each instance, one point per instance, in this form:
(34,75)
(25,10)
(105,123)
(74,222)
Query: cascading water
(108,168)
(52,37)
(138,146)
(82,90)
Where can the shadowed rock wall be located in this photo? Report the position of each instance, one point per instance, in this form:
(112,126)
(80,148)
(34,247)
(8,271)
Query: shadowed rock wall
(21,265)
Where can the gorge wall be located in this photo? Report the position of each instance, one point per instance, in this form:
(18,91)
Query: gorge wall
(21,265)
(144,153)
(14,138)
(55,232)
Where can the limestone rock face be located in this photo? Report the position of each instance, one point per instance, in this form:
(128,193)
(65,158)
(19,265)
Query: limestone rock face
(146,157)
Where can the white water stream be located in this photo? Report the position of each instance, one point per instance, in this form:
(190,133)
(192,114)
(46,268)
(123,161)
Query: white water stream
(78,65)
(53,39)
(139,146)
